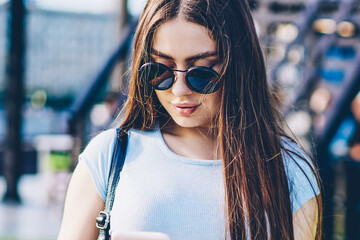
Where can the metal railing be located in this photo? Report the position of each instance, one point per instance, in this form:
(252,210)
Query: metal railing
(86,99)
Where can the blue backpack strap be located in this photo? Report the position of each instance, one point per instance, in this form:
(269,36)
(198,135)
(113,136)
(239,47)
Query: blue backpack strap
(117,163)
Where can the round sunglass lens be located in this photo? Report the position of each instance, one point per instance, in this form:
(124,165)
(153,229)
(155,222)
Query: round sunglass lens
(203,80)
(157,75)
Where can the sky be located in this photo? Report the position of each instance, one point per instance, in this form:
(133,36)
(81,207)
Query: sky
(89,6)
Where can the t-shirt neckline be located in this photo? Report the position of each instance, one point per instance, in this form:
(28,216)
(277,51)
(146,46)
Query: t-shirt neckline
(164,147)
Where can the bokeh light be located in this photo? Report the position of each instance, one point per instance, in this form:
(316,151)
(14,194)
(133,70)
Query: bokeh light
(325,26)
(320,100)
(346,29)
(38,99)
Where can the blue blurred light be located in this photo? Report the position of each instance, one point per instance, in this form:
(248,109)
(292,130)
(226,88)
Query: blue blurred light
(342,52)
(332,75)
(339,144)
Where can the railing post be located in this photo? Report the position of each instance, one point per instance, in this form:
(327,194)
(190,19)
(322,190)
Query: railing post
(14,95)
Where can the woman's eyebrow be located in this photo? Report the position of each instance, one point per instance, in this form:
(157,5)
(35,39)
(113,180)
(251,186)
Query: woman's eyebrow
(201,56)
(189,59)
(160,54)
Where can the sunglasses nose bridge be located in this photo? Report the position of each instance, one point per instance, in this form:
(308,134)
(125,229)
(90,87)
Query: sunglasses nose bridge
(177,72)
(180,88)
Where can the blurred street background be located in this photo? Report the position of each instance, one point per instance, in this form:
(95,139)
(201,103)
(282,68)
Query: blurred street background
(63,77)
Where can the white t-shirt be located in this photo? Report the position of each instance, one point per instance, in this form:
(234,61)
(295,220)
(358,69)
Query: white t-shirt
(163,192)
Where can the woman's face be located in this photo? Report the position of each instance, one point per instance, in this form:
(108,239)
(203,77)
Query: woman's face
(180,45)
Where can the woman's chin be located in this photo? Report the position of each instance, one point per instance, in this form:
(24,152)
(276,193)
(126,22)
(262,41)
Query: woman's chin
(190,123)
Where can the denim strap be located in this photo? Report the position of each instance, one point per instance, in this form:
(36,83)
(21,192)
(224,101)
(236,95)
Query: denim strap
(117,163)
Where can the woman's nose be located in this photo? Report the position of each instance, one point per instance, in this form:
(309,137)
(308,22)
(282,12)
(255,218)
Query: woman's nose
(180,88)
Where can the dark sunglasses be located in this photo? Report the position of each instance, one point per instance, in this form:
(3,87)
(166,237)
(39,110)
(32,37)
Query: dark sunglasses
(202,80)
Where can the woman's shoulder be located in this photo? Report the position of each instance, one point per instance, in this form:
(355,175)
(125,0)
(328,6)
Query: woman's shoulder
(103,143)
(301,173)
(295,158)
(98,154)
(97,157)
(103,138)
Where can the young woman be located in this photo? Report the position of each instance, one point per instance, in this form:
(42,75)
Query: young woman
(207,157)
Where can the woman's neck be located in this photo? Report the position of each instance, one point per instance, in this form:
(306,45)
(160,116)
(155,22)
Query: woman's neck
(196,143)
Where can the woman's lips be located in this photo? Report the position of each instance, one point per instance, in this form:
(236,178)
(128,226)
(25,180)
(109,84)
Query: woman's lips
(185,109)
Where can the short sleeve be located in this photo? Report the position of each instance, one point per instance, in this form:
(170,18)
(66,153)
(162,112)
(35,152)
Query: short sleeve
(97,157)
(302,182)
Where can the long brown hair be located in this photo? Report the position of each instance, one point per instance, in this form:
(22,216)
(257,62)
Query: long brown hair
(249,128)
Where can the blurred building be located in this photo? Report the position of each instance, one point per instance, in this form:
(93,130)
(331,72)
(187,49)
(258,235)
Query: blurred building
(64,52)
(312,50)
(66,47)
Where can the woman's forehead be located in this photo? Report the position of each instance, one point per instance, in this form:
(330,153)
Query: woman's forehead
(183,39)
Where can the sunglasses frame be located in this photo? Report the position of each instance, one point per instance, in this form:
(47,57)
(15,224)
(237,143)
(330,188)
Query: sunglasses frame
(171,71)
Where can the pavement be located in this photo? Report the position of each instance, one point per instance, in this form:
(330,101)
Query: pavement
(39,215)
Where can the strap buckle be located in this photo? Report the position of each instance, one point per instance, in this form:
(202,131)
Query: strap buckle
(102,220)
